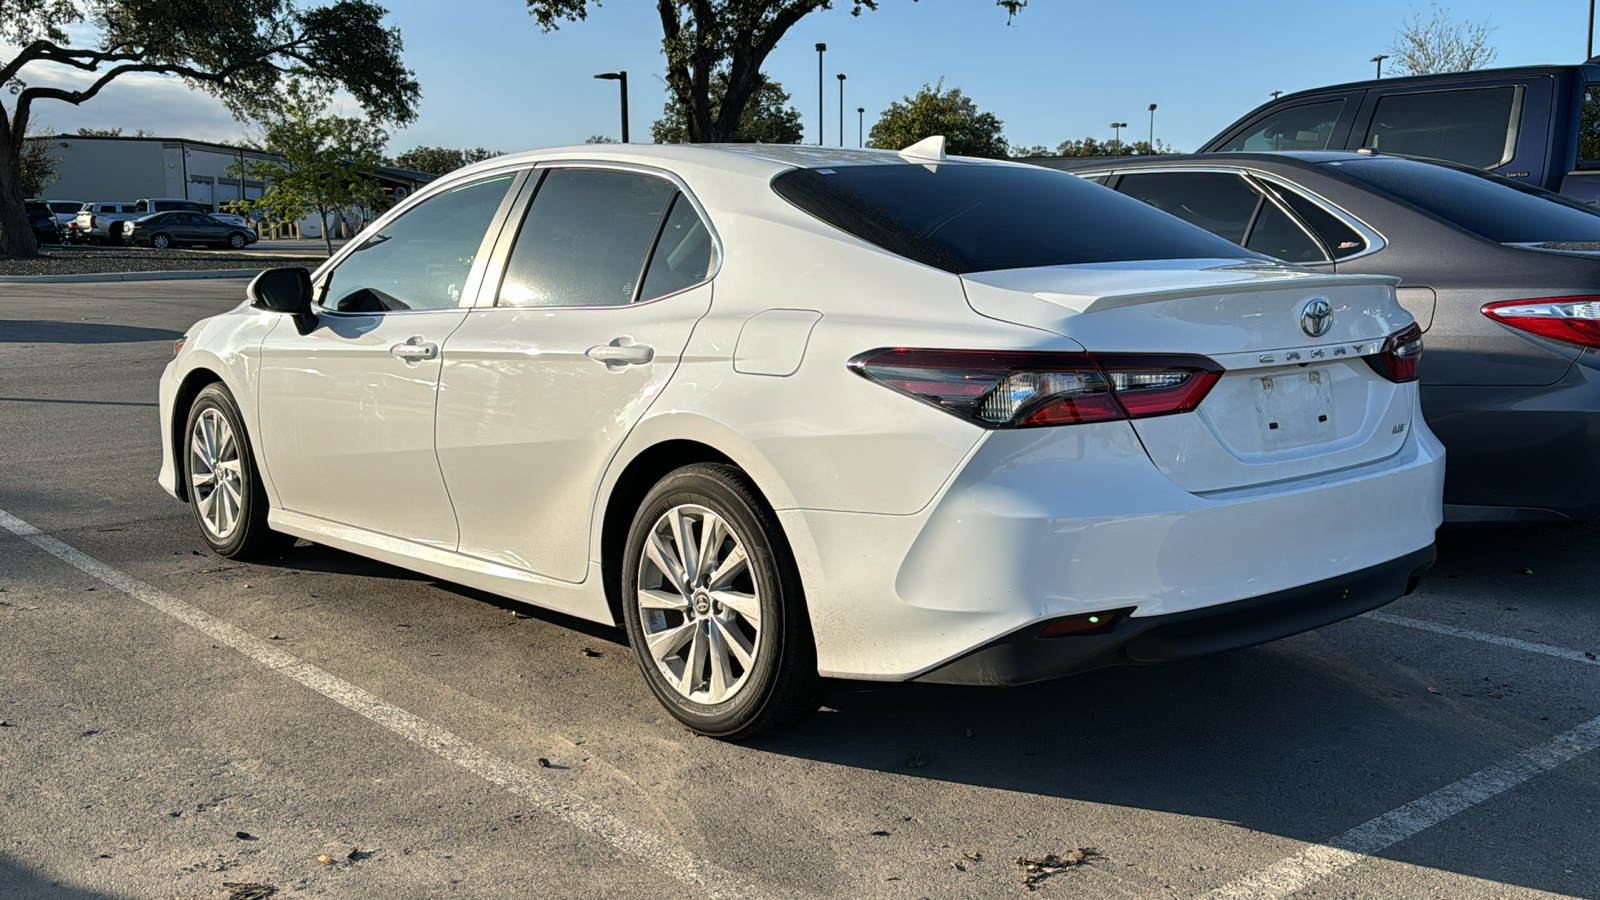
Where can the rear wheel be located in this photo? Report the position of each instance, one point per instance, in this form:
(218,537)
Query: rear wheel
(236,241)
(714,608)
(225,491)
(160,241)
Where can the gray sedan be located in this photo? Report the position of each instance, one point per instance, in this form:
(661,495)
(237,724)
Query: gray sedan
(186,229)
(1504,279)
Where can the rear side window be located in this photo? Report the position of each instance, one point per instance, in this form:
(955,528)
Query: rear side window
(977,218)
(1220,203)
(1340,239)
(1589,129)
(59,207)
(1305,127)
(682,257)
(1487,205)
(1475,127)
(585,239)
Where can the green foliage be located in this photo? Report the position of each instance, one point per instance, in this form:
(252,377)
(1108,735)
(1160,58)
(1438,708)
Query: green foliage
(111,132)
(1440,44)
(1092,147)
(932,111)
(326,161)
(39,164)
(768,118)
(703,37)
(600,139)
(439,160)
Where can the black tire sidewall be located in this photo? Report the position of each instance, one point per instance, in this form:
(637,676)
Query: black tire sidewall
(723,490)
(252,537)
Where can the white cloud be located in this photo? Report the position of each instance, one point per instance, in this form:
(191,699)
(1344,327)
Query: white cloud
(159,104)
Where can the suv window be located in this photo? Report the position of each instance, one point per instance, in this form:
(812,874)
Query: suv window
(1489,206)
(1589,129)
(585,238)
(1472,126)
(978,218)
(422,259)
(1305,127)
(1221,203)
(58,206)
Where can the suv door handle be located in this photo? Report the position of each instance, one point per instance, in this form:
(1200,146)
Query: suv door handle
(622,354)
(415,349)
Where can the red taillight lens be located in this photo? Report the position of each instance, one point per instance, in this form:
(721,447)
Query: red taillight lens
(1398,359)
(1575,320)
(1028,389)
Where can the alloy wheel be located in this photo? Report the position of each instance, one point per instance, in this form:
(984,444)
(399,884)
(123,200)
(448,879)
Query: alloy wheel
(699,605)
(216,479)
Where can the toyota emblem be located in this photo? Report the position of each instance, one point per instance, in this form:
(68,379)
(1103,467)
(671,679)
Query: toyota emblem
(1316,317)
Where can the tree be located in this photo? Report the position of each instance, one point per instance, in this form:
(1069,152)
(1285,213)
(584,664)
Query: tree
(1440,44)
(38,164)
(111,132)
(600,139)
(703,37)
(237,50)
(768,118)
(932,111)
(439,160)
(326,160)
(1091,147)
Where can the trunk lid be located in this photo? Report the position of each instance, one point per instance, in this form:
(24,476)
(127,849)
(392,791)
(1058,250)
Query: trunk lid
(1290,404)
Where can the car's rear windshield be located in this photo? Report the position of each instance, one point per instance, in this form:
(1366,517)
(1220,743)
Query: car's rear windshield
(977,218)
(1489,206)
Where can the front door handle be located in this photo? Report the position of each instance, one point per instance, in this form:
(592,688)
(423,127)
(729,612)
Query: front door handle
(616,354)
(415,349)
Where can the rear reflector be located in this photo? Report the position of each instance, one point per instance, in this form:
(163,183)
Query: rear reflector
(1401,352)
(1575,320)
(1088,623)
(1027,389)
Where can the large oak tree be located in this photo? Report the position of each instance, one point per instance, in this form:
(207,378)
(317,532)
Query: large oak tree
(237,50)
(702,38)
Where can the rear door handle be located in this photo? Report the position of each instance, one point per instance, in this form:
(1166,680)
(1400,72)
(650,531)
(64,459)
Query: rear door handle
(415,349)
(617,355)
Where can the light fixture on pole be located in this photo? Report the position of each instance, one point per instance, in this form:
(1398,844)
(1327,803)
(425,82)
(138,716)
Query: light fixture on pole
(1152,128)
(1277,94)
(623,78)
(1379,60)
(821,48)
(861,126)
(841,109)
(1119,126)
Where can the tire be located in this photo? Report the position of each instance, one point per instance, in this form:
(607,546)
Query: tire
(160,241)
(237,241)
(739,658)
(214,439)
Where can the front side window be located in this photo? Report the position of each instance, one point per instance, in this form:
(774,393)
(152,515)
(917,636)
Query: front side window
(1306,127)
(1474,127)
(422,259)
(585,238)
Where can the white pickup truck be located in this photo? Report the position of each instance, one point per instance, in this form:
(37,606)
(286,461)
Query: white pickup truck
(100,222)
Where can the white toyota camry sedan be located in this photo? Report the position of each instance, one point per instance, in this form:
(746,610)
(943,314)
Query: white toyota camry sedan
(789,414)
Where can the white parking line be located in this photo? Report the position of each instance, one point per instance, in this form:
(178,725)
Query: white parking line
(1577,656)
(548,798)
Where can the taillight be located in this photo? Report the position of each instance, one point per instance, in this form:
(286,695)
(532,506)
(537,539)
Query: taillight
(1397,360)
(1027,389)
(1575,320)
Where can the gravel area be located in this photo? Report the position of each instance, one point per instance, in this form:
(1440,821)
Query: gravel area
(93,260)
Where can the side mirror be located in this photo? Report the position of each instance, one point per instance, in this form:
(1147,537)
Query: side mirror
(285,291)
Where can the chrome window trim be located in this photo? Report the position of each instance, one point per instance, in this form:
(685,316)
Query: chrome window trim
(501,255)
(1271,196)
(1375,240)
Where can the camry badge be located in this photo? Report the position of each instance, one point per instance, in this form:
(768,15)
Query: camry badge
(1316,317)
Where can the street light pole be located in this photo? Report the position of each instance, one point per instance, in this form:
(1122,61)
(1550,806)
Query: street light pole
(1591,32)
(841,109)
(623,78)
(1119,126)
(1277,94)
(821,48)
(861,126)
(1152,128)
(1379,60)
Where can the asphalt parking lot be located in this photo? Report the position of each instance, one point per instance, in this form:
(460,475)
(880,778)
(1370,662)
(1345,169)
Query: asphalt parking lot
(174,723)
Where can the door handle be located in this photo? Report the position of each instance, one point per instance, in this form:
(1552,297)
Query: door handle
(618,354)
(415,349)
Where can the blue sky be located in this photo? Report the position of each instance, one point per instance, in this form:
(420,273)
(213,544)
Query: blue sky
(1063,69)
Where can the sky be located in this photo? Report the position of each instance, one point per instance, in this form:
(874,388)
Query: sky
(1062,70)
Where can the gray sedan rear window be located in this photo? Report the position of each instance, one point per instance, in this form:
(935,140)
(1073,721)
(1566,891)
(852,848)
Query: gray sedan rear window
(1489,206)
(974,218)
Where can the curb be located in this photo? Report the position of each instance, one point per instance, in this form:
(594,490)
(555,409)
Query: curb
(178,275)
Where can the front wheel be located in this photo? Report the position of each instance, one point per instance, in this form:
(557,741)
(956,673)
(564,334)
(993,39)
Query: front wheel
(236,241)
(160,241)
(225,492)
(714,608)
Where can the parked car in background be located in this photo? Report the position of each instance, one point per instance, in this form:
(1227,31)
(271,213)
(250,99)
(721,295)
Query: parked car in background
(64,211)
(163,231)
(101,222)
(43,222)
(179,204)
(942,419)
(1538,125)
(1503,277)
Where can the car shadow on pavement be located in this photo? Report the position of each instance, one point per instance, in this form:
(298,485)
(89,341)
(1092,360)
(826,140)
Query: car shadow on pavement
(21,882)
(33,331)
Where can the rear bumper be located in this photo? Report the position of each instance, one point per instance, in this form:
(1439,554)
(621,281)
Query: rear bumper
(1024,657)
